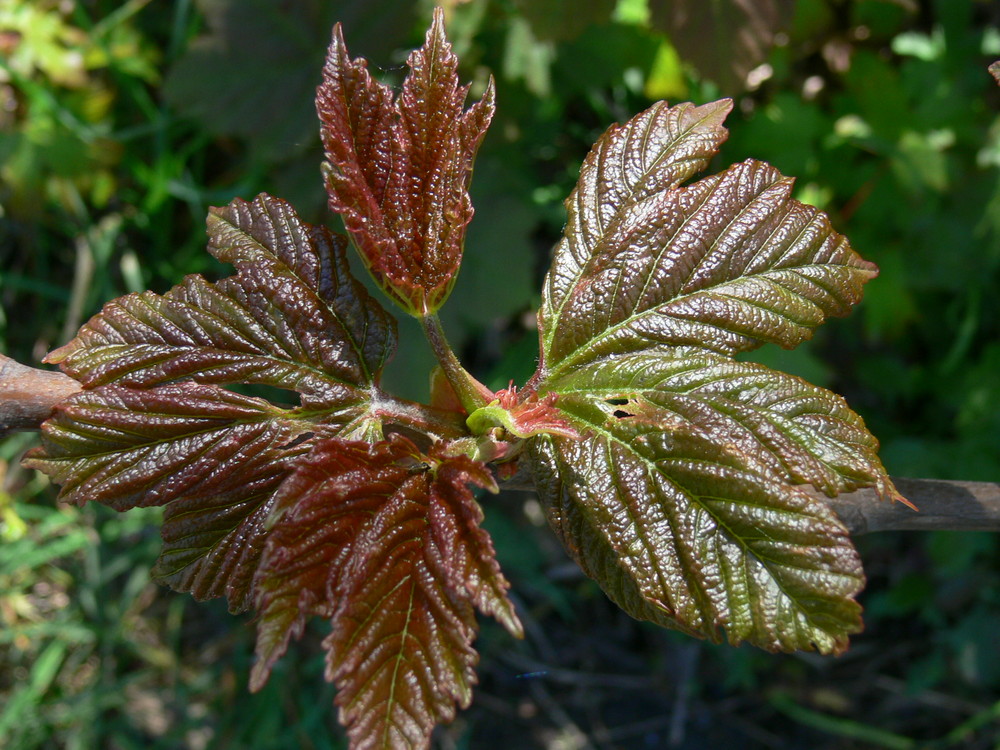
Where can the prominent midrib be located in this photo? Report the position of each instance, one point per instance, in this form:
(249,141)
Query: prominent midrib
(331,257)
(627,202)
(572,358)
(693,498)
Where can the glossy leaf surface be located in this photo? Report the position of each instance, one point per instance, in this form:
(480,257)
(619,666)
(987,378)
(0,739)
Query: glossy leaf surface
(213,457)
(695,535)
(385,542)
(292,317)
(727,263)
(801,432)
(398,171)
(154,427)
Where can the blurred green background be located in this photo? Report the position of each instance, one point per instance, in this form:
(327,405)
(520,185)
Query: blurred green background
(121,122)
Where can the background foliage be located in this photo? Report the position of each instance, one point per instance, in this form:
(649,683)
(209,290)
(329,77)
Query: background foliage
(121,122)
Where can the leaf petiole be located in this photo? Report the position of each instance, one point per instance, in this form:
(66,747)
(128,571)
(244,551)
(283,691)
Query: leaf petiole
(471,393)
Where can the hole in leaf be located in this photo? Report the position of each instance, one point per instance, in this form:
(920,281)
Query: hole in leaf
(304,437)
(621,401)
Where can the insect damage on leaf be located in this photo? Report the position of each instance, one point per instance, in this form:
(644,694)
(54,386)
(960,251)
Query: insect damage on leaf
(681,498)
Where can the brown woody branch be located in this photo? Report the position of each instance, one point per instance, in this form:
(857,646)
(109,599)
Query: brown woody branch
(28,396)
(943,506)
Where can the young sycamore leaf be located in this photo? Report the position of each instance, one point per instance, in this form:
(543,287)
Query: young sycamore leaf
(154,427)
(693,534)
(672,472)
(680,498)
(398,172)
(386,543)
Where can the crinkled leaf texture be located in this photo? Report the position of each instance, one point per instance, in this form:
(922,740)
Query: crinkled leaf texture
(681,498)
(154,426)
(385,542)
(398,171)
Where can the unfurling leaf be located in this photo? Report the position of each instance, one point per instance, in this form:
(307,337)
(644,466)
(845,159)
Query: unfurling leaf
(154,427)
(398,171)
(696,535)
(385,542)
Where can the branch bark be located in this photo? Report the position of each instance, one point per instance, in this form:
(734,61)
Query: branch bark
(943,506)
(28,396)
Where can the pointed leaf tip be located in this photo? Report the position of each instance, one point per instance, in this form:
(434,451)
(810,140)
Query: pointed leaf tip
(727,263)
(386,542)
(398,168)
(696,536)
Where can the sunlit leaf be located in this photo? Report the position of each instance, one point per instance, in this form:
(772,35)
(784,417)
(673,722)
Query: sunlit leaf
(727,263)
(696,535)
(800,431)
(293,317)
(387,543)
(398,171)
(155,428)
(213,457)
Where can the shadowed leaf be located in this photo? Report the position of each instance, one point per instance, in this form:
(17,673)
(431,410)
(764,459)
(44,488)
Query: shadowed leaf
(385,542)
(398,171)
(724,39)
(695,535)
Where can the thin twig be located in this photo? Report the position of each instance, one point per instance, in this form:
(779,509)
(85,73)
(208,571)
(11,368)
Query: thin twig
(28,395)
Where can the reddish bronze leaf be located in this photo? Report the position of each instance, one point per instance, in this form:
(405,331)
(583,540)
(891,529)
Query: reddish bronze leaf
(386,542)
(214,458)
(292,317)
(398,171)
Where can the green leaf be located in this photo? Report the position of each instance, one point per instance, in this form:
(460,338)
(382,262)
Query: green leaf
(213,457)
(724,40)
(726,264)
(696,535)
(385,542)
(803,433)
(252,71)
(398,171)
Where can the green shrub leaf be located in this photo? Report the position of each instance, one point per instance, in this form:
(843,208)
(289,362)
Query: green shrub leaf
(694,534)
(386,543)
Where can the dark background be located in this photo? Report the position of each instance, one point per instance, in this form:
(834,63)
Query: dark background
(121,122)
